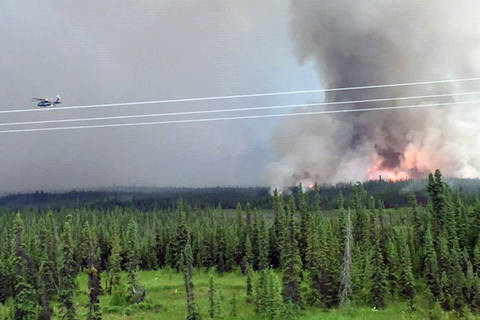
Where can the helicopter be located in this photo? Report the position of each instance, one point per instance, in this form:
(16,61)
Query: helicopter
(44,102)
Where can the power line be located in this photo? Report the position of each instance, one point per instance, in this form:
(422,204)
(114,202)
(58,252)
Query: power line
(391,85)
(237,109)
(240,117)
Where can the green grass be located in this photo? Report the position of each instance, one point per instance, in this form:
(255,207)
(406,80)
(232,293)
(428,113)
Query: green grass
(166,301)
(166,295)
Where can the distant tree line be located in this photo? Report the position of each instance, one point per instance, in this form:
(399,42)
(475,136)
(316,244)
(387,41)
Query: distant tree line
(392,194)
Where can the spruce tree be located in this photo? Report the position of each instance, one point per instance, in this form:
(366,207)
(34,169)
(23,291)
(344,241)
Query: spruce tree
(255,235)
(436,190)
(406,280)
(248,221)
(475,303)
(68,271)
(431,264)
(277,232)
(469,289)
(46,270)
(306,223)
(268,297)
(249,283)
(208,248)
(231,244)
(462,221)
(292,267)
(221,260)
(4,277)
(342,217)
(182,236)
(248,257)
(114,263)
(446,298)
(378,277)
(362,275)
(346,276)
(310,238)
(444,254)
(192,311)
(315,199)
(240,231)
(316,275)
(327,265)
(7,267)
(54,249)
(275,307)
(218,307)
(476,259)
(418,232)
(457,284)
(262,243)
(25,306)
(81,252)
(261,292)
(94,312)
(361,223)
(474,232)
(136,292)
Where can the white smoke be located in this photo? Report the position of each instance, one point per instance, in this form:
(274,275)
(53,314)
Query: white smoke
(366,42)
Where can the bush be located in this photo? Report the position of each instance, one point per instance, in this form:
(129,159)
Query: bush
(112,309)
(128,311)
(149,305)
(119,297)
(7,310)
(436,313)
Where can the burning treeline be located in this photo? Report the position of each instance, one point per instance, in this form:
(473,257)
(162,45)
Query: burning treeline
(366,42)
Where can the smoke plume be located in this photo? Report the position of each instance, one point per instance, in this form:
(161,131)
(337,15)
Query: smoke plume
(356,43)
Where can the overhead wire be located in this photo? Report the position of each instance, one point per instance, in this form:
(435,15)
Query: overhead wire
(391,85)
(289,106)
(369,109)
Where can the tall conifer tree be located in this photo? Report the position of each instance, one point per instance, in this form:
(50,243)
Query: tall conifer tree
(192,311)
(94,312)
(378,277)
(431,264)
(114,263)
(25,306)
(68,271)
(292,266)
(346,276)
(46,278)
(406,280)
(136,292)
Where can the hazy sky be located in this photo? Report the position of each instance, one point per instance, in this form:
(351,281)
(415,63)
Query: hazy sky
(109,51)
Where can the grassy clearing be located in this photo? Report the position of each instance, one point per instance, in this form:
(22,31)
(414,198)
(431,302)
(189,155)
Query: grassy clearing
(166,301)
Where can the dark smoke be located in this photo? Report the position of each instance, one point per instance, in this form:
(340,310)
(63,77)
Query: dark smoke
(366,42)
(390,159)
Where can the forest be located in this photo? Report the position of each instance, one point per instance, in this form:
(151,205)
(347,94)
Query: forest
(302,254)
(392,194)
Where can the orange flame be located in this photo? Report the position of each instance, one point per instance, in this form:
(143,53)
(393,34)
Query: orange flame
(413,164)
(393,175)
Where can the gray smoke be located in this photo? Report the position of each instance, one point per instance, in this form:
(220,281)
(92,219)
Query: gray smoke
(366,42)
(94,52)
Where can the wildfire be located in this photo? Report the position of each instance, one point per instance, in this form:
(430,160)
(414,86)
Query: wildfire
(379,171)
(393,175)
(414,163)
